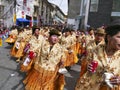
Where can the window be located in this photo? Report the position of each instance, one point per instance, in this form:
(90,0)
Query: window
(116,6)
(35,10)
(94,5)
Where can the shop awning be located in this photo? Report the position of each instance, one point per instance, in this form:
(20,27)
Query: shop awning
(22,20)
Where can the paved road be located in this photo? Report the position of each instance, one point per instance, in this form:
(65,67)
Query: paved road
(11,78)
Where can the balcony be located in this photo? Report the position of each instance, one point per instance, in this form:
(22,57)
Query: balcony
(115,14)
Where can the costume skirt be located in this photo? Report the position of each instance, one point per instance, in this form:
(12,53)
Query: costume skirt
(71,58)
(77,45)
(41,79)
(11,39)
(17,52)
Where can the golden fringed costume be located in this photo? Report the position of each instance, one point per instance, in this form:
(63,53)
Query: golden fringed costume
(80,45)
(89,38)
(28,35)
(74,48)
(13,36)
(99,39)
(92,44)
(68,44)
(77,45)
(35,43)
(44,69)
(22,39)
(45,32)
(86,41)
(17,50)
(95,81)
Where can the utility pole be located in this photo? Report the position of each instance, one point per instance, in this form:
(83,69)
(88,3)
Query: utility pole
(86,14)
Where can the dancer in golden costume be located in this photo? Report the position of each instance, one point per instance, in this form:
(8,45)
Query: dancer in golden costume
(43,74)
(12,36)
(100,70)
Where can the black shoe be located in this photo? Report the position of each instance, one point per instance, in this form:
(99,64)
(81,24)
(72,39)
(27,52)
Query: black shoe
(68,68)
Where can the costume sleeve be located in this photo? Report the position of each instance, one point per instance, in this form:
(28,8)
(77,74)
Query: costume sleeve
(85,60)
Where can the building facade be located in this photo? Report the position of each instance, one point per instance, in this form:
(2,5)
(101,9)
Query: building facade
(100,13)
(1,14)
(115,10)
(93,13)
(29,12)
(8,10)
(58,15)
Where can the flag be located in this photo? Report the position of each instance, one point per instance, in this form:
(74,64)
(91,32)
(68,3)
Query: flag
(0,41)
(14,18)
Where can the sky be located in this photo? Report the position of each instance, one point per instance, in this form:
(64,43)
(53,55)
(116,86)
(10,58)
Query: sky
(63,4)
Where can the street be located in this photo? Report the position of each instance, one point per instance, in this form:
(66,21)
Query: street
(11,78)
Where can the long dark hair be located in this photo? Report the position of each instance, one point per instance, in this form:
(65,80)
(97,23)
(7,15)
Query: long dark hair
(34,28)
(111,31)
